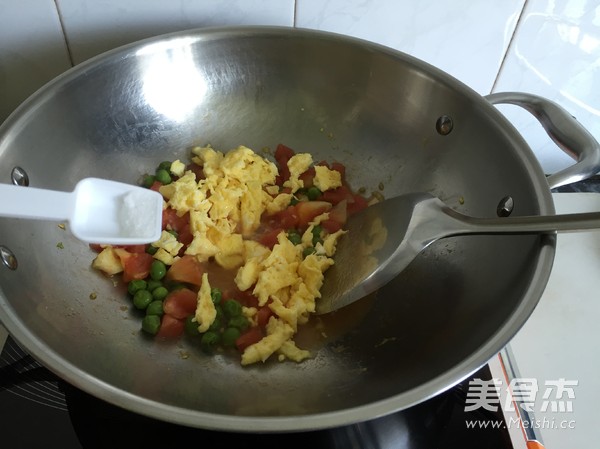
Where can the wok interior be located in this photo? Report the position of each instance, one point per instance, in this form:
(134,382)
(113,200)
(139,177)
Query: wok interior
(118,116)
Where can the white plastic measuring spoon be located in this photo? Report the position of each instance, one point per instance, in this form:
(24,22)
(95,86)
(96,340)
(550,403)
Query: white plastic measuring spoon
(98,210)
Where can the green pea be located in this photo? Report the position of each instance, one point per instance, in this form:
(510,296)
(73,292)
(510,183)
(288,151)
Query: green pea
(160,293)
(151,250)
(155,308)
(220,313)
(313,193)
(209,341)
(135,285)
(230,335)
(294,201)
(148,180)
(142,299)
(163,176)
(151,324)
(232,308)
(164,165)
(216,295)
(294,237)
(216,325)
(240,322)
(308,251)
(153,285)
(191,326)
(158,270)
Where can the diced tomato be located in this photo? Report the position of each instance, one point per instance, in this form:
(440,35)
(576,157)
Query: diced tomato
(170,327)
(286,219)
(359,203)
(251,336)
(282,155)
(197,170)
(174,222)
(263,315)
(96,247)
(323,164)
(308,210)
(268,238)
(156,185)
(186,269)
(334,196)
(185,235)
(331,226)
(135,265)
(134,248)
(180,303)
(339,167)
(308,177)
(246,298)
(339,212)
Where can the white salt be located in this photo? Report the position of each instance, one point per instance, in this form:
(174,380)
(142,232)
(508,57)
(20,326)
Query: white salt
(137,215)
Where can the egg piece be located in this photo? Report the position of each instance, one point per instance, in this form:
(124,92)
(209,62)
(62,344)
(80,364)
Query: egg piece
(252,205)
(289,350)
(297,165)
(246,166)
(183,195)
(208,159)
(330,242)
(108,262)
(279,203)
(288,315)
(202,247)
(205,309)
(168,248)
(311,269)
(278,332)
(247,275)
(326,179)
(177,168)
(279,269)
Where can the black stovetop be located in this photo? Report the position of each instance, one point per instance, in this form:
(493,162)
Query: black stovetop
(40,410)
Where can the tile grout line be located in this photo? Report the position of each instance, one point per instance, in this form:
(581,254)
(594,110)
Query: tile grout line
(64,32)
(509,46)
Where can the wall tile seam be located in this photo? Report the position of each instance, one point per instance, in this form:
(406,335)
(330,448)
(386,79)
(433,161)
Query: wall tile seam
(64,33)
(510,45)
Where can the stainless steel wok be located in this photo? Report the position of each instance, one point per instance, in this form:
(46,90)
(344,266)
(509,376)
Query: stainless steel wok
(398,124)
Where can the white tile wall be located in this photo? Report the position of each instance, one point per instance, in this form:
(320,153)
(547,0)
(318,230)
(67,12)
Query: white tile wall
(32,50)
(94,26)
(549,47)
(556,54)
(466,38)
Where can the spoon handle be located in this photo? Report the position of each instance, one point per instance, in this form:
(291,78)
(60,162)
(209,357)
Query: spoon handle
(34,203)
(529,224)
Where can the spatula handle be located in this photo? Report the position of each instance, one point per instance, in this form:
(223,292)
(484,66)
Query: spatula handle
(532,224)
(34,203)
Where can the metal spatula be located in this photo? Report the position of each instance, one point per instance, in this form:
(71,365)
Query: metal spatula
(384,238)
(98,210)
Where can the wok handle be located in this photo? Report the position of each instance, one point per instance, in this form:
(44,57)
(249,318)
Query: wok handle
(564,130)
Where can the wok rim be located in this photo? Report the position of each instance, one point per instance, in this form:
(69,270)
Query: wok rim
(317,421)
